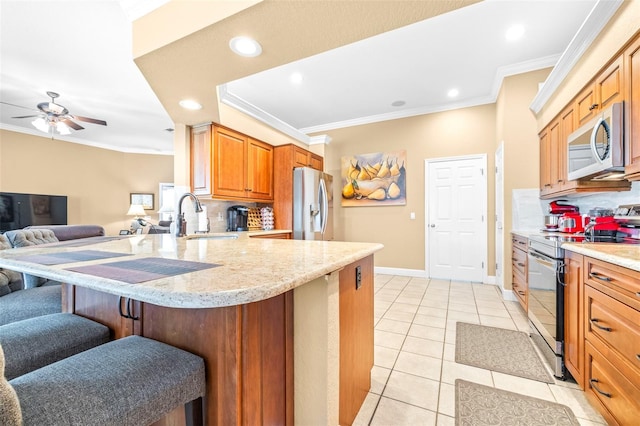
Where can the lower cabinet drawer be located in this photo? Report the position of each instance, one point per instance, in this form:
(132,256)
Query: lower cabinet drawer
(519,286)
(614,323)
(609,389)
(622,282)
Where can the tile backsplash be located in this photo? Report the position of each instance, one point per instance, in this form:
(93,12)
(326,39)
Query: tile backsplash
(528,209)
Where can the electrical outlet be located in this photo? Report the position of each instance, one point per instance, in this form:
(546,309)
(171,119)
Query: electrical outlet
(358,277)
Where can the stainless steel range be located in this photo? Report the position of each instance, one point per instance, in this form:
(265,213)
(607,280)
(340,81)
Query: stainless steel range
(546,297)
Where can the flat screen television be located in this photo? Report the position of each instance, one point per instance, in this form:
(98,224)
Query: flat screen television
(20,210)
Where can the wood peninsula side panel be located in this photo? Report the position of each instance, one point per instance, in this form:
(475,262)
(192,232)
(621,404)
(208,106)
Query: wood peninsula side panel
(356,337)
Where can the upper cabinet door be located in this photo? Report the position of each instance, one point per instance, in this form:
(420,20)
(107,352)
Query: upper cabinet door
(259,170)
(230,168)
(632,108)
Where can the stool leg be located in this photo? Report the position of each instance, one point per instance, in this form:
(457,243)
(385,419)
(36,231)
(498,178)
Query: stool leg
(193,412)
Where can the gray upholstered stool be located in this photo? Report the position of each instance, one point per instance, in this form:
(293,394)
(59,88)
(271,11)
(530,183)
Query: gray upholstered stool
(132,381)
(36,342)
(29,303)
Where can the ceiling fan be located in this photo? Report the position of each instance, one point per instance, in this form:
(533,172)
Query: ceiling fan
(57,116)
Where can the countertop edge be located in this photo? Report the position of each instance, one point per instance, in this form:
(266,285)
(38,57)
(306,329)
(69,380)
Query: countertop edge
(625,255)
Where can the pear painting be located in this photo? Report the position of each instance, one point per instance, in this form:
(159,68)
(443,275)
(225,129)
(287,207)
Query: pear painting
(376,179)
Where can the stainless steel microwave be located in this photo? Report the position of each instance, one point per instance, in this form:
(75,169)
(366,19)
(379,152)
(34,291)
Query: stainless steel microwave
(596,150)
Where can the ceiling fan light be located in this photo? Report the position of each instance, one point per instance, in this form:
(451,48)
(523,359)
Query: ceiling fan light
(62,128)
(40,124)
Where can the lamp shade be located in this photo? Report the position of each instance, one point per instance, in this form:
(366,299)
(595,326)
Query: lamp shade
(136,210)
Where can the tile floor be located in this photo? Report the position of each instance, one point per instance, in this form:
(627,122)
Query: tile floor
(412,381)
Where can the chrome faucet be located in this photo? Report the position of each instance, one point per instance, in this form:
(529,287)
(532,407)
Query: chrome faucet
(181,224)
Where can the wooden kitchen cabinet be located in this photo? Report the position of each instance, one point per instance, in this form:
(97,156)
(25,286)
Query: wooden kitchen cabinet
(285,159)
(304,158)
(606,88)
(277,236)
(201,160)
(574,317)
(242,166)
(612,340)
(248,350)
(519,269)
(356,337)
(632,109)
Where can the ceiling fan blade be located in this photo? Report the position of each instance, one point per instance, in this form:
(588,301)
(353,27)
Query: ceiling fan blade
(90,120)
(27,116)
(18,106)
(74,126)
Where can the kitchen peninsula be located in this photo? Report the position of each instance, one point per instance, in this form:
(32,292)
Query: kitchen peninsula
(257,309)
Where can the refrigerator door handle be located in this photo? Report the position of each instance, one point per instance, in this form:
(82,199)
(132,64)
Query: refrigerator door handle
(324,201)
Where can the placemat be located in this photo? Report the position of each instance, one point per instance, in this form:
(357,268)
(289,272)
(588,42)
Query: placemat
(140,270)
(69,257)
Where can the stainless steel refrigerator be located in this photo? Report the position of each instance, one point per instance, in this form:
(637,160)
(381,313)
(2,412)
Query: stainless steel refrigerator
(312,204)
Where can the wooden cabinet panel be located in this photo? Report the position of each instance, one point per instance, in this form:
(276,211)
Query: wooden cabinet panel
(554,154)
(229,151)
(574,317)
(285,159)
(519,262)
(620,283)
(632,108)
(545,162)
(586,105)
(356,337)
(613,392)
(614,324)
(201,160)
(609,84)
(259,169)
(107,309)
(281,236)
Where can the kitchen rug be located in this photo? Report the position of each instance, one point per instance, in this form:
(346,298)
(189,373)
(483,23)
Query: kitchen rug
(141,270)
(480,405)
(498,349)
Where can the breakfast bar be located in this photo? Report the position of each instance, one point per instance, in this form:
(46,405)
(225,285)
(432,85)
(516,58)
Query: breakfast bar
(285,326)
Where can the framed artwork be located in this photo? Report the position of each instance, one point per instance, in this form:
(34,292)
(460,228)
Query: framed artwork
(146,199)
(376,179)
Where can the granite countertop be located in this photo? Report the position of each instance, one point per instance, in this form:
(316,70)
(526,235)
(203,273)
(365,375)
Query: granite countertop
(250,269)
(625,255)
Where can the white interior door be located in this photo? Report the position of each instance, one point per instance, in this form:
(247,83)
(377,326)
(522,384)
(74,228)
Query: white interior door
(499,216)
(456,218)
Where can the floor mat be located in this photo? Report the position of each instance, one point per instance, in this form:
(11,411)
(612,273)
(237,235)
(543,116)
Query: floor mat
(483,405)
(500,350)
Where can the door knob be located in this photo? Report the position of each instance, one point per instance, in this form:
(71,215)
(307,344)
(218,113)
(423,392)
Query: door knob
(433,225)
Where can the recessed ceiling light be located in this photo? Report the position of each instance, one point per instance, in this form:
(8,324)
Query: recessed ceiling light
(453,93)
(190,104)
(296,78)
(398,103)
(245,46)
(515,32)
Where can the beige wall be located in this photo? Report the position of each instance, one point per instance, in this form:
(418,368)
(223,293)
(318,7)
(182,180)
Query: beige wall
(96,181)
(447,134)
(517,129)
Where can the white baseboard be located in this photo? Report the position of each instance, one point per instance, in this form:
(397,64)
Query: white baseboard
(490,279)
(508,295)
(400,271)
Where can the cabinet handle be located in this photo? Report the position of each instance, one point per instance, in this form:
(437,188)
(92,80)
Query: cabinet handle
(594,322)
(638,294)
(599,277)
(592,107)
(122,314)
(514,259)
(593,385)
(638,357)
(129,309)
(521,292)
(521,264)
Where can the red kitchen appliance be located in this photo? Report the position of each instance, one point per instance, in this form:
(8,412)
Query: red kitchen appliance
(602,224)
(572,222)
(558,207)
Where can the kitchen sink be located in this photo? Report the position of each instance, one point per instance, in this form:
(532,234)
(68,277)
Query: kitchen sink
(217,236)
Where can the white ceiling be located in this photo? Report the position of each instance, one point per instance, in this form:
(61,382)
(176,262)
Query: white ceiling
(82,50)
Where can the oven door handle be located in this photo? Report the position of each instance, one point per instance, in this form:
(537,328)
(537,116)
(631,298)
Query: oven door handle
(543,259)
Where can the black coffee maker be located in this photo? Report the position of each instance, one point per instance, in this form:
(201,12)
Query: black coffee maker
(237,217)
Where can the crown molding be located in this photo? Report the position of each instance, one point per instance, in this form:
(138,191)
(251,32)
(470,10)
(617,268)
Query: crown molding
(592,26)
